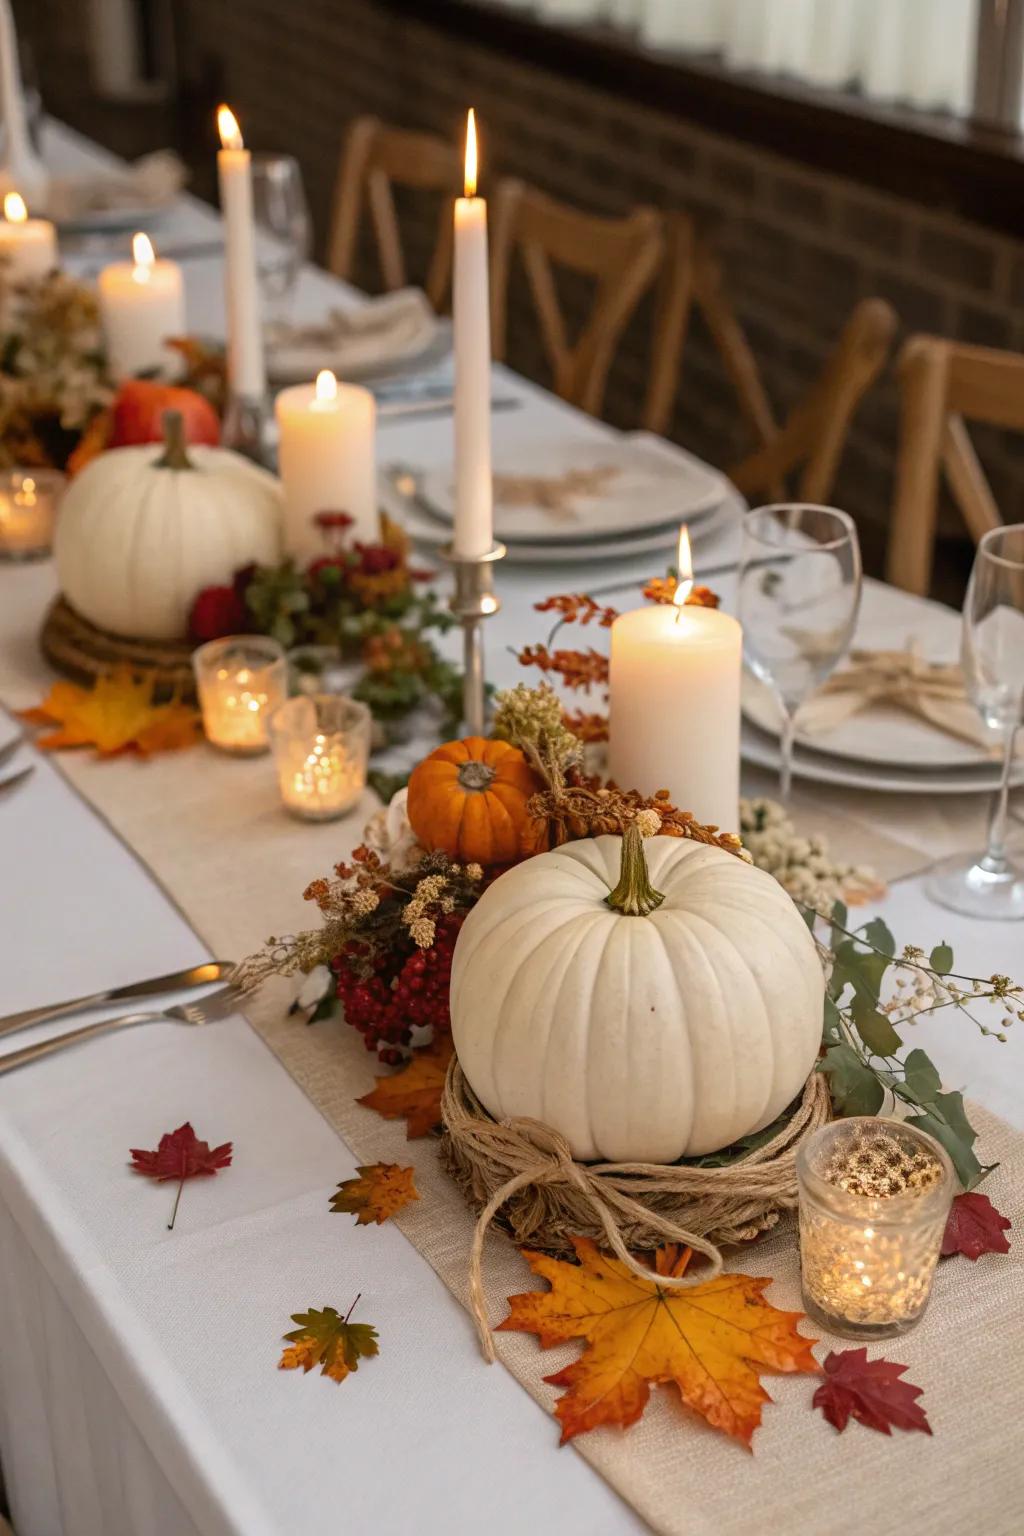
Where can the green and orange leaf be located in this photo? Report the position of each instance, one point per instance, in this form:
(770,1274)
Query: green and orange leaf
(329,1340)
(381,1190)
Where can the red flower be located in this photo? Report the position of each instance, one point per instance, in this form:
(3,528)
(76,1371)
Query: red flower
(375,559)
(217,611)
(333,520)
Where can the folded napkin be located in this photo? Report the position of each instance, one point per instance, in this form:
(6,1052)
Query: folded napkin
(152,182)
(933,690)
(355,341)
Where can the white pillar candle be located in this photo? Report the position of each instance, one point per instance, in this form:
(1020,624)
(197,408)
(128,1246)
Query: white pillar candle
(142,305)
(246,374)
(28,247)
(474,493)
(675,704)
(327,461)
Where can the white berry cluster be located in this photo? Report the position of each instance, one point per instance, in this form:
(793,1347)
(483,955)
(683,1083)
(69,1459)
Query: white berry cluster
(802,865)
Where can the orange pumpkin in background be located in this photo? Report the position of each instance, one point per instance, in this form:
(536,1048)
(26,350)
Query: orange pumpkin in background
(468,799)
(138,414)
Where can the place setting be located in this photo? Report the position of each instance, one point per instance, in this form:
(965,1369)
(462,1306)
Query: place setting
(532,773)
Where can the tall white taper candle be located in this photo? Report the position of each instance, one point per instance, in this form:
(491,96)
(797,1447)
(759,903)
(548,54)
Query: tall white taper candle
(246,375)
(474,509)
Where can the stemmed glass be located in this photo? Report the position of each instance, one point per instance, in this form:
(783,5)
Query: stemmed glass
(281,215)
(992,654)
(799,594)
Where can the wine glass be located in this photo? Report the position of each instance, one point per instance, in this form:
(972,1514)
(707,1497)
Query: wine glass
(799,594)
(992,654)
(283,229)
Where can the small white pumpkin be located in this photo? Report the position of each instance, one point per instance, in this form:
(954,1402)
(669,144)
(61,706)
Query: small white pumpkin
(143,530)
(640,1038)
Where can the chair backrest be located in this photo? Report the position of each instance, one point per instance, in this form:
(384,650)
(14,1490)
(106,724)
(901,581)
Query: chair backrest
(943,385)
(814,435)
(621,255)
(375,158)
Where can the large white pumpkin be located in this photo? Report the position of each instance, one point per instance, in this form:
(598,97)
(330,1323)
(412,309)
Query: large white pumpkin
(141,531)
(639,1038)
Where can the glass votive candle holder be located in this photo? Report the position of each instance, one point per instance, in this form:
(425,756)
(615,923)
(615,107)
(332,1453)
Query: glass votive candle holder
(28,510)
(240,680)
(316,669)
(321,751)
(874,1197)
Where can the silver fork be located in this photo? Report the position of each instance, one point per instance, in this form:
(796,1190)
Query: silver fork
(218,1005)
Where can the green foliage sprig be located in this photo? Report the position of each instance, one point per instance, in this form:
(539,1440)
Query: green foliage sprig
(871,990)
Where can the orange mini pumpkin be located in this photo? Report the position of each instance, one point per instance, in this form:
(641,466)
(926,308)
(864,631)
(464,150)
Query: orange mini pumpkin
(468,800)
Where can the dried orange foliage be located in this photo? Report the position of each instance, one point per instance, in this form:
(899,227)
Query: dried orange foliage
(578,608)
(712,1340)
(662,589)
(116,715)
(585,727)
(380,1190)
(414,1093)
(577,669)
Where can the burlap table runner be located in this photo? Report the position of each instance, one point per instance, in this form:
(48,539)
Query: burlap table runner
(212,832)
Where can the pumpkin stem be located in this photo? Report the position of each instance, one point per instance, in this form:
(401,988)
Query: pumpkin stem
(634,896)
(174,455)
(475,776)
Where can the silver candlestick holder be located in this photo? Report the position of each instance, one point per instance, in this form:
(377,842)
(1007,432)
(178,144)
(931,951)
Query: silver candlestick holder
(473,601)
(245,427)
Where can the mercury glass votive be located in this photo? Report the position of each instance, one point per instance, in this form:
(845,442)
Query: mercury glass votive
(321,750)
(240,680)
(874,1197)
(28,508)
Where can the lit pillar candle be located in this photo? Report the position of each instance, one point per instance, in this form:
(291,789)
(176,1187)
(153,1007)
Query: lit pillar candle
(474,507)
(246,374)
(142,305)
(28,247)
(675,703)
(327,460)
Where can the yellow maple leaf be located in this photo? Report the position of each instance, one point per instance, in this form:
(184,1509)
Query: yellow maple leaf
(116,715)
(711,1339)
(380,1190)
(414,1093)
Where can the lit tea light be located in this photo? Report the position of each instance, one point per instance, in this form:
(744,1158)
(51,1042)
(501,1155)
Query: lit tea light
(28,509)
(874,1198)
(240,680)
(28,247)
(142,306)
(321,748)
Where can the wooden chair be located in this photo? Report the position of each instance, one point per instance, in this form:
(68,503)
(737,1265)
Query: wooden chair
(622,255)
(374,159)
(943,385)
(691,279)
(814,435)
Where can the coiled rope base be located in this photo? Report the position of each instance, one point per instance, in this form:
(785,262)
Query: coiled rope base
(522,1175)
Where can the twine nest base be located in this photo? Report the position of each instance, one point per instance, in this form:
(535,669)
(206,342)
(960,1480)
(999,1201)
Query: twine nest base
(83,652)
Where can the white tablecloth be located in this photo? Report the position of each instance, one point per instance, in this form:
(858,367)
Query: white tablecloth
(138,1395)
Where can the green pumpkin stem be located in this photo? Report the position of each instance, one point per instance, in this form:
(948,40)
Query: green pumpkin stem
(634,896)
(174,455)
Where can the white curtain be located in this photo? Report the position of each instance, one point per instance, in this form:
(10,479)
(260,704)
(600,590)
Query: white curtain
(920,52)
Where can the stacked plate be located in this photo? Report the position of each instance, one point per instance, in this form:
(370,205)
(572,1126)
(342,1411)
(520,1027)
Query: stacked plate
(883,747)
(576,500)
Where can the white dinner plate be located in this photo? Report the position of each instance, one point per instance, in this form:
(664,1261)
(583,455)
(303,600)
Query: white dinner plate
(646,491)
(763,750)
(426,532)
(883,735)
(420,358)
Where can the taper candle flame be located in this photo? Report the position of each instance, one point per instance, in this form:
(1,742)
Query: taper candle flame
(15,211)
(472,154)
(684,568)
(227,127)
(143,256)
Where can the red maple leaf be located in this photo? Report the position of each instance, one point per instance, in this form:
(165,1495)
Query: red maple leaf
(180,1156)
(975,1227)
(871,1391)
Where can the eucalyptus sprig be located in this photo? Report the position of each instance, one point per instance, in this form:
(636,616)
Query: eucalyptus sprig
(862,1047)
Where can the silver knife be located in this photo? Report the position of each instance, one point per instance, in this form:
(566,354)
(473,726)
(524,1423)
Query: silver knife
(195,976)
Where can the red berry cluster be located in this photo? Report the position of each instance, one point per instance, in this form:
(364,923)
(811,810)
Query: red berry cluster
(388,993)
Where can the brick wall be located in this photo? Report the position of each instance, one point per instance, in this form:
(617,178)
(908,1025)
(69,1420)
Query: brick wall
(800,247)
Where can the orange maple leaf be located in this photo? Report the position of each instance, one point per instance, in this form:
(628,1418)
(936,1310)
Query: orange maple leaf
(116,715)
(414,1093)
(380,1190)
(711,1339)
